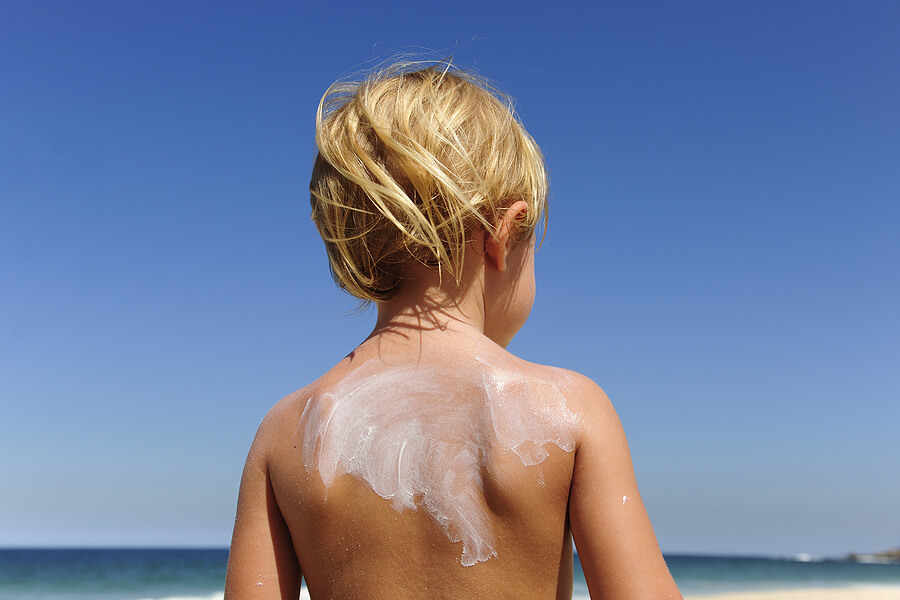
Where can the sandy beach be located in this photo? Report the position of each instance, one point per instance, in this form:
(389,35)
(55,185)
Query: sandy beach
(861,593)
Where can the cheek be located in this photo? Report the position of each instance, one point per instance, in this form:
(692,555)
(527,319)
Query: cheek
(523,298)
(529,293)
(513,294)
(529,280)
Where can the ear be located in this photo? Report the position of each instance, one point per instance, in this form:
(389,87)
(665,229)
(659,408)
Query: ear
(497,245)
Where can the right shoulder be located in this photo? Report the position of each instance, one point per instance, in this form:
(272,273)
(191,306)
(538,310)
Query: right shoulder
(592,405)
(584,398)
(616,545)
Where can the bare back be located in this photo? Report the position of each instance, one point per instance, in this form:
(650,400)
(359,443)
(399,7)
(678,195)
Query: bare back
(443,474)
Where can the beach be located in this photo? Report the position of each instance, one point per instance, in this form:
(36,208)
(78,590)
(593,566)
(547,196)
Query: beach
(854,593)
(199,574)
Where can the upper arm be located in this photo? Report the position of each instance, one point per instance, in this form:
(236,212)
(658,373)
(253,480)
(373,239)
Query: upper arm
(261,561)
(615,541)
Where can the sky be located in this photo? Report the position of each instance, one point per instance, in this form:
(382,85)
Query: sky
(722,255)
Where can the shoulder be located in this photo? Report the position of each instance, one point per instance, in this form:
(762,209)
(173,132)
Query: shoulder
(586,397)
(580,391)
(596,414)
(279,423)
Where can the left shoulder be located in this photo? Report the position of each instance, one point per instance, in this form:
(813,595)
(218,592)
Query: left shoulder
(278,425)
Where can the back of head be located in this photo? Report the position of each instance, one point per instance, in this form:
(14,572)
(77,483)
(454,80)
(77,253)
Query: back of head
(410,160)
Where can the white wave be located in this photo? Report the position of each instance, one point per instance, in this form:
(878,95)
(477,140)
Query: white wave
(804,557)
(304,595)
(214,596)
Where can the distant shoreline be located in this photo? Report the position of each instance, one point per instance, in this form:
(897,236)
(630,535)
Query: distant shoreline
(891,556)
(859,557)
(198,574)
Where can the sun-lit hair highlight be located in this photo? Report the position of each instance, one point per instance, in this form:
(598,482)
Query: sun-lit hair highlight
(410,159)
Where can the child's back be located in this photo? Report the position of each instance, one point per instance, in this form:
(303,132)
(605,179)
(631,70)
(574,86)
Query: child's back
(396,475)
(430,462)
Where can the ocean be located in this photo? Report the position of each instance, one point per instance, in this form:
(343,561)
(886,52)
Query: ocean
(198,574)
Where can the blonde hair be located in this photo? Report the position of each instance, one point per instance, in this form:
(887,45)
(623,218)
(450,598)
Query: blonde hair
(408,162)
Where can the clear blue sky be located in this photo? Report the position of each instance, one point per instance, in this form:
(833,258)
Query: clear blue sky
(722,256)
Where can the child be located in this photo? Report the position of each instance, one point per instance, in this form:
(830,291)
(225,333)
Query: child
(430,462)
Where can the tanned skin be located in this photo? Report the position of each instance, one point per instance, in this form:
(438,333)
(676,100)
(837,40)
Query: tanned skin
(350,543)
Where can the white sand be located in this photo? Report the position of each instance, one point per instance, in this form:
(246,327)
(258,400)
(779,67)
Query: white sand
(855,593)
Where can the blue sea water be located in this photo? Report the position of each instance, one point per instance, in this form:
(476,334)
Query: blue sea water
(111,574)
(198,574)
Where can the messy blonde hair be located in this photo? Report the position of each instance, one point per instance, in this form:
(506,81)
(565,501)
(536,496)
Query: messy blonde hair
(409,161)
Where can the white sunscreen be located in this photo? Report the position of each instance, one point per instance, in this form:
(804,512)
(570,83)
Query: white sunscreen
(419,436)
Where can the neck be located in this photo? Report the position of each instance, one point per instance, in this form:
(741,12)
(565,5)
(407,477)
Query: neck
(428,306)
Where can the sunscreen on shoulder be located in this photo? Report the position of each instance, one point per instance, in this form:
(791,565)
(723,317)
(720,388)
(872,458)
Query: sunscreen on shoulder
(418,435)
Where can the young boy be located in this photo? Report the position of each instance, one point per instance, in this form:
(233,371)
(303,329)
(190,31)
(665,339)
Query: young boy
(430,462)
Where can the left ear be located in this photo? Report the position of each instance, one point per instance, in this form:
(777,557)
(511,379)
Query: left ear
(497,245)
